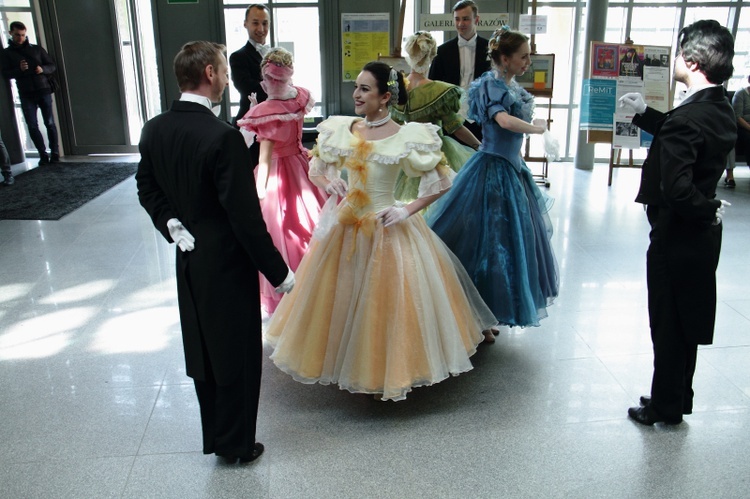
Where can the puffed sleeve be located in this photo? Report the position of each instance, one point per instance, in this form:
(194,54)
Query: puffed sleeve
(269,130)
(331,149)
(487,97)
(451,103)
(424,159)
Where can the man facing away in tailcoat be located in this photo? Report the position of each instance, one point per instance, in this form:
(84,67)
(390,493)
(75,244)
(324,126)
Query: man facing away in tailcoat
(678,186)
(195,182)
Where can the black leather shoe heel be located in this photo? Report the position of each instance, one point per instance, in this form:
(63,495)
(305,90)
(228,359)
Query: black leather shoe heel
(645,416)
(257,451)
(646,400)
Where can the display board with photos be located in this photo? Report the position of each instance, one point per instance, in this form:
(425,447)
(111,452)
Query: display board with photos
(617,69)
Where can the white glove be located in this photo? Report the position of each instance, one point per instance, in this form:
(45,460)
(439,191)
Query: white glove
(633,101)
(551,146)
(336,186)
(393,215)
(287,285)
(253,99)
(722,209)
(180,235)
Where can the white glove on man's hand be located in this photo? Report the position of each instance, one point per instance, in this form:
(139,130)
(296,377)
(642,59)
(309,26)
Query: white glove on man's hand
(180,235)
(287,285)
(336,186)
(633,101)
(722,209)
(393,215)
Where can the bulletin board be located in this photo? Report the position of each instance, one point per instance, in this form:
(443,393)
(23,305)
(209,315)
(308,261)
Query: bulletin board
(617,69)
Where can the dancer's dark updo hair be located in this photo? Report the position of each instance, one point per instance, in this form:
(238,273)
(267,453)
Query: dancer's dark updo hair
(382,73)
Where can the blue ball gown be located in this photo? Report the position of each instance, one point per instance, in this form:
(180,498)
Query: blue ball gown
(495,217)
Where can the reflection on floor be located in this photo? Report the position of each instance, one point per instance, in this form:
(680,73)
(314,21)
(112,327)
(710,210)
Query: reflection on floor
(95,403)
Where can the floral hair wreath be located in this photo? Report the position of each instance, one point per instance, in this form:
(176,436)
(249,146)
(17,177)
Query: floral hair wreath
(393,87)
(499,32)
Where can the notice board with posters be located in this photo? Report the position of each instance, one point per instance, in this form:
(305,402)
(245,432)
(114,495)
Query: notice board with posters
(617,69)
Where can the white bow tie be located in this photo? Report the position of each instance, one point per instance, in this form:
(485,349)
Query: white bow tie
(467,43)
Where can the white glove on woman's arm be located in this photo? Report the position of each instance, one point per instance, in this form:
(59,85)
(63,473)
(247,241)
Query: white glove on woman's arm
(393,215)
(287,285)
(633,101)
(180,235)
(336,186)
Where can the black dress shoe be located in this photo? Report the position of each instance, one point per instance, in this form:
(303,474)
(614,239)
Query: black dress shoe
(257,451)
(646,400)
(646,416)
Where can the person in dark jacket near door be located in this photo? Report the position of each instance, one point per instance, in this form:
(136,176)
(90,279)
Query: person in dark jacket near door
(678,186)
(32,67)
(195,183)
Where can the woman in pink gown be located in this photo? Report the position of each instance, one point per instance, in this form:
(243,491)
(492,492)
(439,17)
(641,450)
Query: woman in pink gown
(289,201)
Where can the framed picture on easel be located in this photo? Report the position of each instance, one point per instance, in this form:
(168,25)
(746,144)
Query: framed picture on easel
(539,79)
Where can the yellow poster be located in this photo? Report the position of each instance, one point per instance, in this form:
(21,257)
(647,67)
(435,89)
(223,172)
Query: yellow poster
(363,38)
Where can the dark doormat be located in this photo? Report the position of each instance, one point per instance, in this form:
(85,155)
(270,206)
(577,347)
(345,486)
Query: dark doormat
(50,192)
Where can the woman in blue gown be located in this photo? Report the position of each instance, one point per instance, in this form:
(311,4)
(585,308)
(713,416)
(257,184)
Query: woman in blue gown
(495,217)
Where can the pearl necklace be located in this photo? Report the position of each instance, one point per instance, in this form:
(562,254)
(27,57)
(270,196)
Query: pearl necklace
(377,123)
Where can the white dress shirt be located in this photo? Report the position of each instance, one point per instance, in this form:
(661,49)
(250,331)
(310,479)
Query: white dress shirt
(262,49)
(467,50)
(202,100)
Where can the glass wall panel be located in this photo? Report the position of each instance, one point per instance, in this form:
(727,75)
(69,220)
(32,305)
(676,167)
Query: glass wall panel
(617,17)
(720,14)
(558,41)
(654,25)
(15,3)
(297,31)
(741,52)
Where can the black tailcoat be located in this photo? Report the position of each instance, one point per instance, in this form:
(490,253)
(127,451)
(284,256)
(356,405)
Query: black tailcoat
(678,184)
(447,63)
(195,167)
(246,76)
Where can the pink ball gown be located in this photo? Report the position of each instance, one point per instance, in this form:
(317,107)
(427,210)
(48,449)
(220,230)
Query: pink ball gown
(292,203)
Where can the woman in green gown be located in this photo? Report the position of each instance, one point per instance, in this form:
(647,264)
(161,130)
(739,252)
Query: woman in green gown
(435,102)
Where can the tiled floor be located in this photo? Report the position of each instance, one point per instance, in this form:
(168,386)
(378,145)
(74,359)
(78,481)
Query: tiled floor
(94,401)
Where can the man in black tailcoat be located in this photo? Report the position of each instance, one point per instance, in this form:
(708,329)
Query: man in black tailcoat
(194,182)
(245,65)
(678,187)
(464,58)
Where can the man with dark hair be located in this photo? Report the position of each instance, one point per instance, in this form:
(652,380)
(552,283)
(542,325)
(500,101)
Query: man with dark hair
(31,66)
(194,182)
(460,60)
(245,65)
(678,186)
